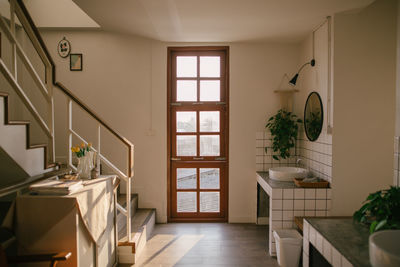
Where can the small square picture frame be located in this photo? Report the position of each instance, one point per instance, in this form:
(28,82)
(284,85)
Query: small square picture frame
(75,62)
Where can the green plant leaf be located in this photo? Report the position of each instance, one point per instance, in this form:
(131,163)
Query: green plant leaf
(380,225)
(372,226)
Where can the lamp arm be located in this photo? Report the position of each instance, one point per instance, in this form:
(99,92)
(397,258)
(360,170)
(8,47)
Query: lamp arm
(312,63)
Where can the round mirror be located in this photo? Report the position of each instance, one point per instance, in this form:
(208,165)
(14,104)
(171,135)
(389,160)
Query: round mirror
(313,116)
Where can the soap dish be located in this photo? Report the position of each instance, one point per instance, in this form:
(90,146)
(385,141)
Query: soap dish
(320,184)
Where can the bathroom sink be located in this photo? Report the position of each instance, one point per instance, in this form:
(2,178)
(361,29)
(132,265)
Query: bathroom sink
(384,249)
(287,173)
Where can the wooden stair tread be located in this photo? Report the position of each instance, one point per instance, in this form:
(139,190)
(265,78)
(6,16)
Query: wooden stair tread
(37,146)
(18,122)
(7,121)
(122,199)
(138,223)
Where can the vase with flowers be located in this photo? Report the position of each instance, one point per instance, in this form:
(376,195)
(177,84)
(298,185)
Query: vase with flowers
(85,156)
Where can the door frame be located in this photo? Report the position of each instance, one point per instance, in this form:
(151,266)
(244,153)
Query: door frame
(170,51)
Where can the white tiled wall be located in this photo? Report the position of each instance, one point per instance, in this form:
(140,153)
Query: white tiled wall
(330,253)
(264,160)
(285,204)
(316,156)
(396,165)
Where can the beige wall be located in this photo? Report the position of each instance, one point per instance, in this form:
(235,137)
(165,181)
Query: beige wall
(124,80)
(364,106)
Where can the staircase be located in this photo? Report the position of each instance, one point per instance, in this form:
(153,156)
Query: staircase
(142,225)
(37,160)
(30,157)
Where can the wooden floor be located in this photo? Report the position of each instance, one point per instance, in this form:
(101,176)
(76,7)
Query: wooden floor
(207,244)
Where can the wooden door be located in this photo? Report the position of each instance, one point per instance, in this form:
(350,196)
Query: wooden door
(198,134)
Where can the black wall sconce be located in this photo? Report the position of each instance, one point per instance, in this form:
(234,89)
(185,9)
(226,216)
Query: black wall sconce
(294,79)
(312,62)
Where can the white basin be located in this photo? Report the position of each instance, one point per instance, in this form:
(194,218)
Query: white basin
(287,173)
(384,248)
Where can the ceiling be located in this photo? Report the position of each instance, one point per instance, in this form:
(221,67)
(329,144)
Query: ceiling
(215,20)
(58,14)
(193,20)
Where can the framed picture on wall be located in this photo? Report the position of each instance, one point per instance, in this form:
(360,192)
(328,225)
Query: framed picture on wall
(75,62)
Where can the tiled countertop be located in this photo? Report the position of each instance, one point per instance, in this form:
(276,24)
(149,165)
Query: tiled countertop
(274,183)
(348,237)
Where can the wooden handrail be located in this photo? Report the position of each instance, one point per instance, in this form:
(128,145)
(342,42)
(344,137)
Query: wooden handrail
(68,92)
(92,113)
(105,125)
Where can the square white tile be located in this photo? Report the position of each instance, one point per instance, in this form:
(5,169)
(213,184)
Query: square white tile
(320,213)
(320,204)
(321,193)
(299,193)
(287,193)
(276,215)
(276,193)
(298,213)
(329,193)
(298,204)
(309,204)
(310,213)
(310,193)
(288,215)
(288,204)
(276,204)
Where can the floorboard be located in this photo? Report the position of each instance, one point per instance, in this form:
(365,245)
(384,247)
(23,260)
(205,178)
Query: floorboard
(207,244)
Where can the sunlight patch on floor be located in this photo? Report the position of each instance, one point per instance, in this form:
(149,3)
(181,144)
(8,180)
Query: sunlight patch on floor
(167,249)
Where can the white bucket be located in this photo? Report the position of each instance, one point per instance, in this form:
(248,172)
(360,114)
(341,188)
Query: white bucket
(288,247)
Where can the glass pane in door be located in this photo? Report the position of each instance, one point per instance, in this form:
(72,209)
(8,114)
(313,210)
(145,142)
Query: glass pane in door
(186,202)
(209,178)
(186,178)
(210,66)
(186,145)
(185,121)
(210,91)
(186,66)
(186,90)
(209,121)
(209,145)
(209,201)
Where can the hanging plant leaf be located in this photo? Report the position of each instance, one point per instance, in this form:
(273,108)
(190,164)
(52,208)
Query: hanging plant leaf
(284,128)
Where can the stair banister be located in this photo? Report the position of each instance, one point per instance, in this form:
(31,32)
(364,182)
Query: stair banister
(46,89)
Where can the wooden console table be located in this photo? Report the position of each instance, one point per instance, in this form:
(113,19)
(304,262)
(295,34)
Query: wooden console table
(83,223)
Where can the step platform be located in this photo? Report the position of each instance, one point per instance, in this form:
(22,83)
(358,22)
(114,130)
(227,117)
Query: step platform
(142,225)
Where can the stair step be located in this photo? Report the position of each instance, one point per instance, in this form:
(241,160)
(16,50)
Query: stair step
(142,225)
(121,199)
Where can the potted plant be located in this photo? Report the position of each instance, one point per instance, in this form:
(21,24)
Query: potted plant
(284,128)
(381,210)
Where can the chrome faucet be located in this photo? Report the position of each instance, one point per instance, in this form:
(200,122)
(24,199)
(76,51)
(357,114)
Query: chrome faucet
(298,161)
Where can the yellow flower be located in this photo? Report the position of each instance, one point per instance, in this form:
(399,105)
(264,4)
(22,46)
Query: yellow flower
(89,144)
(82,145)
(73,149)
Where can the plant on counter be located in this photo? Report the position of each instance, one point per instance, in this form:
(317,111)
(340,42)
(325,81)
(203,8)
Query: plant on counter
(381,210)
(284,128)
